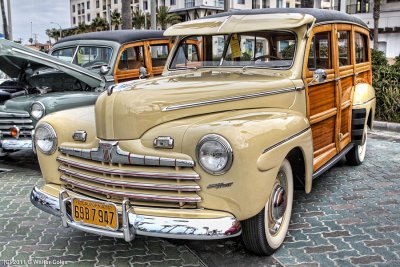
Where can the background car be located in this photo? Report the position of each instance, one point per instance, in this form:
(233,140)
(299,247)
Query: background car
(76,71)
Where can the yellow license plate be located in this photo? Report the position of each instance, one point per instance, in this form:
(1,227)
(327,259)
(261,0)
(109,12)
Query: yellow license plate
(95,213)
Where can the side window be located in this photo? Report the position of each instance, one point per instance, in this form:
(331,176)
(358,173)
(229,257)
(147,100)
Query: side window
(344,48)
(66,54)
(361,47)
(187,55)
(132,58)
(159,54)
(320,52)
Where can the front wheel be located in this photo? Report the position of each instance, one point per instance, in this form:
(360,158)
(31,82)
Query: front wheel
(356,155)
(264,233)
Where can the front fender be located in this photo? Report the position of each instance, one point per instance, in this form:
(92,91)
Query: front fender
(65,123)
(245,188)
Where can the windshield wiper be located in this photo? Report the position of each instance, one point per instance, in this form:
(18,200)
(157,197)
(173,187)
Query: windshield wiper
(97,66)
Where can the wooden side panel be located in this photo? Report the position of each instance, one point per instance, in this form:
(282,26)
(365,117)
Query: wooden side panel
(323,135)
(347,87)
(344,125)
(322,98)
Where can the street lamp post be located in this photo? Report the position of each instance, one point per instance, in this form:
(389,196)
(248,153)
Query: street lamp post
(59,27)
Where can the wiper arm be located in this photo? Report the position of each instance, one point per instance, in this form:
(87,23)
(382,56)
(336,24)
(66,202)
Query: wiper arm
(96,66)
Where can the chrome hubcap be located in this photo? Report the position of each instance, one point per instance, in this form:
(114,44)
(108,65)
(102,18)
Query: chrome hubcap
(278,203)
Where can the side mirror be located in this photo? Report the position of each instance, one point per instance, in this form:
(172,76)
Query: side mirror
(142,73)
(104,70)
(319,75)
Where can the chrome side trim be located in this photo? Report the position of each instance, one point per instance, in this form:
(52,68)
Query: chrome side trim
(129,184)
(114,154)
(128,173)
(138,196)
(286,140)
(135,224)
(229,99)
(363,103)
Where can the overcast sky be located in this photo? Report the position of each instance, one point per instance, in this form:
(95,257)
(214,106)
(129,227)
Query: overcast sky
(40,13)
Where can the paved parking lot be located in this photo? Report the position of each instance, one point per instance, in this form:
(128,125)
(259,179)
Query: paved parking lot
(352,217)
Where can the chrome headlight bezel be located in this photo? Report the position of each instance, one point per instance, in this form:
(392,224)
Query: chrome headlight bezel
(43,108)
(53,137)
(225,144)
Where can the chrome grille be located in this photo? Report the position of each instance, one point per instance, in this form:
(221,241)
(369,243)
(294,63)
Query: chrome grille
(20,120)
(113,175)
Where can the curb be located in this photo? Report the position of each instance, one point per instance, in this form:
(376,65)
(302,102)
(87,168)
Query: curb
(387,126)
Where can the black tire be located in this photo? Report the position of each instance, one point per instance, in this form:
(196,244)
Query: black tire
(258,238)
(356,155)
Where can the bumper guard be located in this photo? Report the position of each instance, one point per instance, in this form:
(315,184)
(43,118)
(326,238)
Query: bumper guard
(136,224)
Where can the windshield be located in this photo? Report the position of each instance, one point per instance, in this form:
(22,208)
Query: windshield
(261,49)
(85,56)
(3,76)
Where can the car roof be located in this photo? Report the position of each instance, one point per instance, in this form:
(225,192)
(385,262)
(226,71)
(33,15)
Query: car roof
(119,36)
(322,16)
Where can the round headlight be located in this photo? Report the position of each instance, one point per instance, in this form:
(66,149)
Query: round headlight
(214,154)
(37,110)
(45,138)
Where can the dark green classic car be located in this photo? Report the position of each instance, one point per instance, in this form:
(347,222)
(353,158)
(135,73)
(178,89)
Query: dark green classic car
(77,70)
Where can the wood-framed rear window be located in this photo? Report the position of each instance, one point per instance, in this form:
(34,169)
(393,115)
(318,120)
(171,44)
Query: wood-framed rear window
(361,45)
(344,48)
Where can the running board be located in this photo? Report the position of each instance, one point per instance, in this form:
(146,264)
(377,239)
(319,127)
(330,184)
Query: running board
(333,161)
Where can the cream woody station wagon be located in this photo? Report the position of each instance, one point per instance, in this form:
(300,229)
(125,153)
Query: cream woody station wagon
(251,105)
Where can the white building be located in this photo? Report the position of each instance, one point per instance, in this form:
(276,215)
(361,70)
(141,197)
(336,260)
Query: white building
(84,11)
(389,22)
(1,27)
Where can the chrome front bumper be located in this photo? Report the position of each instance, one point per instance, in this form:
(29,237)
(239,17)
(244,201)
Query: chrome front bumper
(16,144)
(136,224)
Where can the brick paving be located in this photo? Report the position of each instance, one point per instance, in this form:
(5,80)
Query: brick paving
(351,218)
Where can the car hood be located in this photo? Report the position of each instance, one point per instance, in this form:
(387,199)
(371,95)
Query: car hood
(14,58)
(133,109)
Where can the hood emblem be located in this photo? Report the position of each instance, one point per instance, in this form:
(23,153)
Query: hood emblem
(107,150)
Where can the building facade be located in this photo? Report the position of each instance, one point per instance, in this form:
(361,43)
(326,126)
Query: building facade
(84,11)
(1,27)
(389,22)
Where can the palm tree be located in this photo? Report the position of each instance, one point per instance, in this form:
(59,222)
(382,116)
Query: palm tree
(126,14)
(3,15)
(376,15)
(82,28)
(116,19)
(138,19)
(53,33)
(164,18)
(99,24)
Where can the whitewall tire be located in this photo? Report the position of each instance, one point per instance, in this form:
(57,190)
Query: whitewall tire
(265,232)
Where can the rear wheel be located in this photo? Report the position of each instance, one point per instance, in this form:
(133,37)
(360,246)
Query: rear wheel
(356,155)
(264,233)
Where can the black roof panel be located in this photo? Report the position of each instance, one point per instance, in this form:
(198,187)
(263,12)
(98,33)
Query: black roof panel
(120,36)
(321,15)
